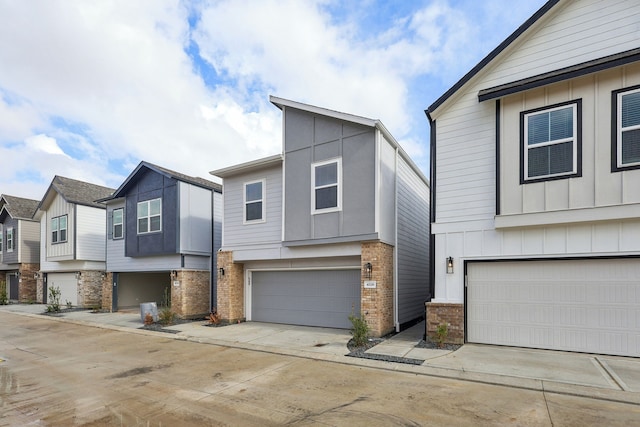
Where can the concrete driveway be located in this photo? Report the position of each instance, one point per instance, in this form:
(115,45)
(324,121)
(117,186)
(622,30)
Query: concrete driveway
(609,377)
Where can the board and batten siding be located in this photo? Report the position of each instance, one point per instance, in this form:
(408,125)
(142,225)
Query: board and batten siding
(386,191)
(195,219)
(412,243)
(29,241)
(90,229)
(583,30)
(238,234)
(58,251)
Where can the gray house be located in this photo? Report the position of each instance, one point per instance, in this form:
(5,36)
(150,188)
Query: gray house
(162,228)
(19,247)
(72,239)
(336,224)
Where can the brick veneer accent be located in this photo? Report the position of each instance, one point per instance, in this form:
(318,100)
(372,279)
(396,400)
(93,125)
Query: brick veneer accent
(90,288)
(27,285)
(190,299)
(107,292)
(230,303)
(40,297)
(452,315)
(376,305)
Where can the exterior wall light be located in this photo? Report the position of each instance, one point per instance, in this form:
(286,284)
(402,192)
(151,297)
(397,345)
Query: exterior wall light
(174,274)
(78,274)
(221,272)
(449,265)
(368,268)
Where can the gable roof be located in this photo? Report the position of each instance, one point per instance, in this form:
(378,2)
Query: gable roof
(74,191)
(18,207)
(200,182)
(491,56)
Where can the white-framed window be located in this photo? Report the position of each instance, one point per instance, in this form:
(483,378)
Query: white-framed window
(150,216)
(59,229)
(326,186)
(10,239)
(117,217)
(625,147)
(254,201)
(551,142)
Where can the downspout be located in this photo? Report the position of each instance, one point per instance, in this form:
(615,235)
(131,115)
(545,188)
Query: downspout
(395,245)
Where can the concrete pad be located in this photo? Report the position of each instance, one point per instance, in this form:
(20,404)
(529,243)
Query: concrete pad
(389,350)
(624,371)
(426,353)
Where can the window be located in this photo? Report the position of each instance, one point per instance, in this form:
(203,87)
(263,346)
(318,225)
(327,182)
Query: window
(10,239)
(327,191)
(254,207)
(59,229)
(149,216)
(625,145)
(551,142)
(117,223)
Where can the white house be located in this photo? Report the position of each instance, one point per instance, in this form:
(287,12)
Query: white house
(536,186)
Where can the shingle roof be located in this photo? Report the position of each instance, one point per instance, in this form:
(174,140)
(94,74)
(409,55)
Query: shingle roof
(19,207)
(80,192)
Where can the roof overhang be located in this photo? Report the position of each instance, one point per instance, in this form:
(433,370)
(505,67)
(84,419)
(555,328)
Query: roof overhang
(248,166)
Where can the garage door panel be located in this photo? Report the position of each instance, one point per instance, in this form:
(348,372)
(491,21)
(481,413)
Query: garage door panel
(313,298)
(576,305)
(68,285)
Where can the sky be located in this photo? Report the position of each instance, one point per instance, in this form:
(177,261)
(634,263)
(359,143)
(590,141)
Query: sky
(89,88)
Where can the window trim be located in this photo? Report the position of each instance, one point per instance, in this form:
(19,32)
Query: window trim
(10,240)
(149,216)
(338,184)
(577,143)
(616,130)
(1,238)
(57,230)
(113,224)
(262,200)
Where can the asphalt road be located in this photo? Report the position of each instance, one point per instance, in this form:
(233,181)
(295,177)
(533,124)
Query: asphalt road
(61,374)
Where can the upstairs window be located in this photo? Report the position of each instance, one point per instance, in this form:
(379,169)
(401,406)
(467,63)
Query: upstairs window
(59,229)
(10,239)
(625,146)
(551,142)
(254,206)
(117,223)
(150,216)
(326,185)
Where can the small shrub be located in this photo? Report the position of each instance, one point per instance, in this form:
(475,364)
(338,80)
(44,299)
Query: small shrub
(3,294)
(166,316)
(54,299)
(213,317)
(148,319)
(359,330)
(69,305)
(441,333)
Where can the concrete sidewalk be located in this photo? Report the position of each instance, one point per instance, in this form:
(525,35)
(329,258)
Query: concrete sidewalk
(597,376)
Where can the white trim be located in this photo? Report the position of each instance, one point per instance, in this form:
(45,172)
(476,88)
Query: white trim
(262,200)
(338,207)
(569,216)
(619,130)
(13,239)
(396,316)
(113,224)
(149,216)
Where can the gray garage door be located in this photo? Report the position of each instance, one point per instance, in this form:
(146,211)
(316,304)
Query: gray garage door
(312,298)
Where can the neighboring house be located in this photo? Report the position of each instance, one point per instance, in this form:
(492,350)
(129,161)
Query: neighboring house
(72,239)
(536,186)
(19,247)
(336,225)
(162,229)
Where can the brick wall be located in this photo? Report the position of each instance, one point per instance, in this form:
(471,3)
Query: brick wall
(230,303)
(377,304)
(452,315)
(107,292)
(90,288)
(190,300)
(27,286)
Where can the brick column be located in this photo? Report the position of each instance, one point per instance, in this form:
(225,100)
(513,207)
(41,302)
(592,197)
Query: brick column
(230,289)
(107,292)
(90,285)
(27,290)
(377,303)
(190,300)
(450,314)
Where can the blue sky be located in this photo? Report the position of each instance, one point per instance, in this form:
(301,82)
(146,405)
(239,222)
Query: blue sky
(88,89)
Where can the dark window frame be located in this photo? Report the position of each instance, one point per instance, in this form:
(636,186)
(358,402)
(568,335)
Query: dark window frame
(114,236)
(56,232)
(615,94)
(261,201)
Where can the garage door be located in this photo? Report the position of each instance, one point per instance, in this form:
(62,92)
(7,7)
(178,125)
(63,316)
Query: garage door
(68,285)
(588,306)
(136,288)
(313,298)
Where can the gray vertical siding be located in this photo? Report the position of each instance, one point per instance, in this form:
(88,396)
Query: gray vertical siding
(10,257)
(29,241)
(413,243)
(195,219)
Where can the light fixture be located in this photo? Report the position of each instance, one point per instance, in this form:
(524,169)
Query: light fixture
(78,274)
(36,275)
(174,274)
(103,275)
(449,265)
(220,272)
(368,268)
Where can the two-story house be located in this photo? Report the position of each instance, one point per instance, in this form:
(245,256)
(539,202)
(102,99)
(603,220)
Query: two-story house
(72,241)
(19,247)
(335,225)
(162,229)
(536,186)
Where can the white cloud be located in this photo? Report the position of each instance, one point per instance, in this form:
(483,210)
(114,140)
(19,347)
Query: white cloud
(45,144)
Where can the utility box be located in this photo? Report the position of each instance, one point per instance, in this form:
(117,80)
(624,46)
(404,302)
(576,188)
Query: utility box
(149,307)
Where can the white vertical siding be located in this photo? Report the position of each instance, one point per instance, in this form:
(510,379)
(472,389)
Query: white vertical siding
(195,219)
(238,234)
(29,241)
(91,233)
(386,203)
(59,251)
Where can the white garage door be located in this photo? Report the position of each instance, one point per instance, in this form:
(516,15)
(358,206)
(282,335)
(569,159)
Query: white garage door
(68,285)
(590,306)
(313,298)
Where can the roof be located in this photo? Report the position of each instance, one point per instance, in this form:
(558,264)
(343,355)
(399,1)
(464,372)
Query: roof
(74,191)
(491,56)
(200,182)
(18,207)
(248,166)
